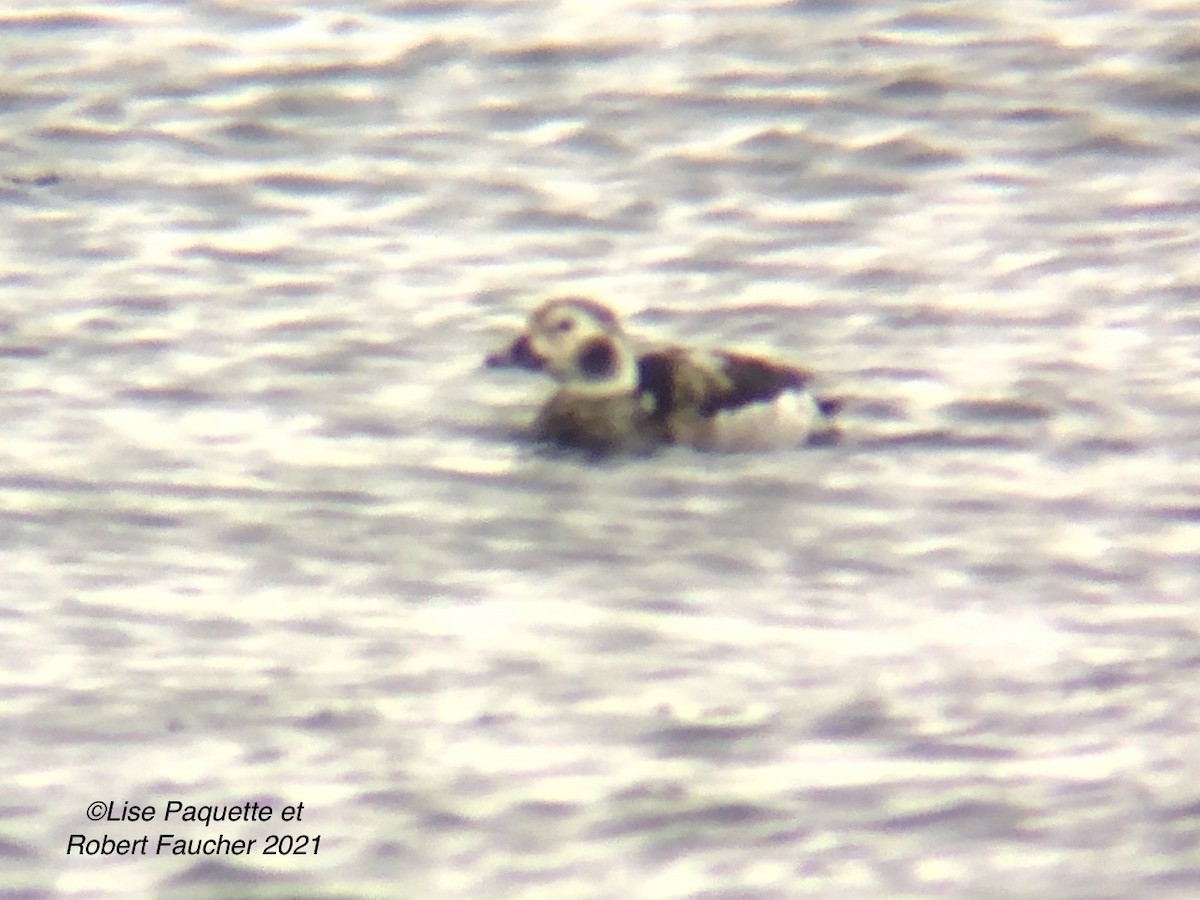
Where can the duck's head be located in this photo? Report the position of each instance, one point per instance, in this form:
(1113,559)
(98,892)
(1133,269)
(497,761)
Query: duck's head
(578,342)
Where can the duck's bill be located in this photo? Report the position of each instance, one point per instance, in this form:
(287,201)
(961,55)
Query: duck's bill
(517,355)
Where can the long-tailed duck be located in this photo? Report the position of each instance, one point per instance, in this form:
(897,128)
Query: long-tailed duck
(611,398)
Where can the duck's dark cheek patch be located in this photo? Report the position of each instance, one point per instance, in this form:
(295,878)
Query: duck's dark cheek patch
(597,358)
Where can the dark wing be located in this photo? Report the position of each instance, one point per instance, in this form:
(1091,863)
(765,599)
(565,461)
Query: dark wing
(751,380)
(674,380)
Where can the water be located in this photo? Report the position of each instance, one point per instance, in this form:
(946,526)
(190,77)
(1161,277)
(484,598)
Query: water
(269,533)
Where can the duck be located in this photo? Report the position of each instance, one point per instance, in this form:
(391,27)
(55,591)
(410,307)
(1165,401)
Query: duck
(612,398)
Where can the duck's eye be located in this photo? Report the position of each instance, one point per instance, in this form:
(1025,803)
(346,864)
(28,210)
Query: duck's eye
(565,325)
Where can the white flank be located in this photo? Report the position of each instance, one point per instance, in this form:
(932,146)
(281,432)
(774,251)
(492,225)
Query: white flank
(787,421)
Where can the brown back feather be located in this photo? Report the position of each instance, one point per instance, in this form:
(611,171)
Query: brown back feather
(676,382)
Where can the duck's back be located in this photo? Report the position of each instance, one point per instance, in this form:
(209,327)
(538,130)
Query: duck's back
(730,401)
